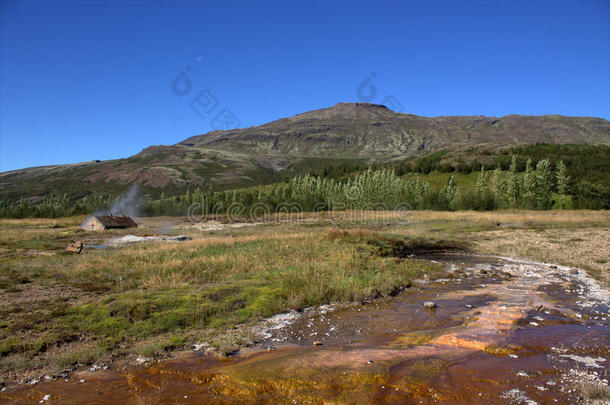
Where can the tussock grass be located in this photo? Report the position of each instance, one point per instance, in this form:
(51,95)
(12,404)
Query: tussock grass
(136,299)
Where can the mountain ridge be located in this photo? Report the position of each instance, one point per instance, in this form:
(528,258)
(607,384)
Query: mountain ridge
(359,133)
(346,126)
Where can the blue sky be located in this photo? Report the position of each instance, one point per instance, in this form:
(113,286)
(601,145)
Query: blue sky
(84,80)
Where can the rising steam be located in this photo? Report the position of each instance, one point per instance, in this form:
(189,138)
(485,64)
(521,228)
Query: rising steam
(127,204)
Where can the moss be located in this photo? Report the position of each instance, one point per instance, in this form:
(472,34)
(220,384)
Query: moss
(140,314)
(78,357)
(8,345)
(160,347)
(415,338)
(499,350)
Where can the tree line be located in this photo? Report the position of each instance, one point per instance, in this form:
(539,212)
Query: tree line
(543,186)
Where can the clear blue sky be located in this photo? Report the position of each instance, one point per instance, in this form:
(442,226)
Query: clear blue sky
(83,80)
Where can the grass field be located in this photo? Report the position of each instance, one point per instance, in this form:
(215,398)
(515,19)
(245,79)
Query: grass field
(61,311)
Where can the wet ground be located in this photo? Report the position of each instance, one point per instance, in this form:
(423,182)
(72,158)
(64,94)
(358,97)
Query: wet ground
(503,332)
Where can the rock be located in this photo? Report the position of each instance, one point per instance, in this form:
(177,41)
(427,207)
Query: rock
(468,306)
(429,305)
(74,247)
(317,343)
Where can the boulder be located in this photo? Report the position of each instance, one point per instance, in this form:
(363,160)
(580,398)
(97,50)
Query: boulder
(74,247)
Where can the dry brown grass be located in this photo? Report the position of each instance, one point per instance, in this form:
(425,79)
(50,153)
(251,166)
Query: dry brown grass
(587,248)
(517,217)
(42,222)
(520,217)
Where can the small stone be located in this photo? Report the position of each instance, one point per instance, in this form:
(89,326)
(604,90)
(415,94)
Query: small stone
(369,362)
(468,306)
(317,343)
(82,380)
(74,247)
(270,349)
(429,305)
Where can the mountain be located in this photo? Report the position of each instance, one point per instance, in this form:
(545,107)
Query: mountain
(347,133)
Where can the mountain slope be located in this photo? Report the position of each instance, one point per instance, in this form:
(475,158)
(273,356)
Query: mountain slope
(370,130)
(354,133)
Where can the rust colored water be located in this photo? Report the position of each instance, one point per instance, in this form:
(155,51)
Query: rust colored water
(503,332)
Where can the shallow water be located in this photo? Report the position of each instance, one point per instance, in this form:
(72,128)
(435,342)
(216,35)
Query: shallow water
(504,332)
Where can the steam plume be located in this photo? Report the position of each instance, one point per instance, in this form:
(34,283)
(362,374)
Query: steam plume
(128,204)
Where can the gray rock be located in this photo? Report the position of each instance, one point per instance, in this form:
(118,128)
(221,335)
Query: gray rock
(429,305)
